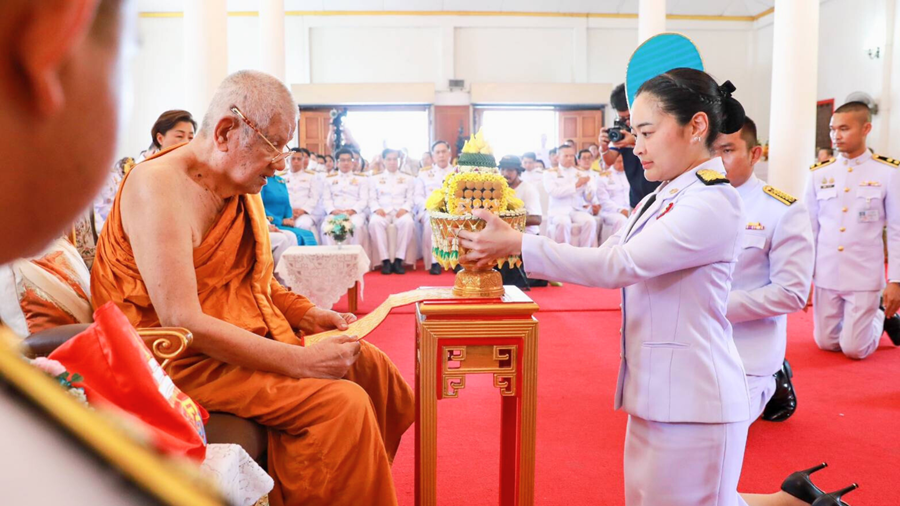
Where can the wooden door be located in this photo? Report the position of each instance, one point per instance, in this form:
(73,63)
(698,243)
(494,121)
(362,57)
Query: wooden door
(448,120)
(583,127)
(313,127)
(824,111)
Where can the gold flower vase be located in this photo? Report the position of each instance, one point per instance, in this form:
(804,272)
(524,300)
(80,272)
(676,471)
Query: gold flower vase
(472,281)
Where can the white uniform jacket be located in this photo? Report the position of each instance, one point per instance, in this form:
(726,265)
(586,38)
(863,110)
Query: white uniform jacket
(772,276)
(564,196)
(849,201)
(305,190)
(674,264)
(426,182)
(391,191)
(346,191)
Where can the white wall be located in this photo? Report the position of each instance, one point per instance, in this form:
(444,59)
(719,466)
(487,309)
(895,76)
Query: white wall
(516,49)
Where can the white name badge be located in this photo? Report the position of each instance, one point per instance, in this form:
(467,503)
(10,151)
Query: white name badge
(868,216)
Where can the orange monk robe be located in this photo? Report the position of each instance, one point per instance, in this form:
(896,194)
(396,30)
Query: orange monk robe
(331,442)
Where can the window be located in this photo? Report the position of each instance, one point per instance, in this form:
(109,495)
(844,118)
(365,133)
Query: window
(375,130)
(516,131)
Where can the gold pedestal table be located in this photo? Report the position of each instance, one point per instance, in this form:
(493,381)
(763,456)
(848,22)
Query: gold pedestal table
(459,337)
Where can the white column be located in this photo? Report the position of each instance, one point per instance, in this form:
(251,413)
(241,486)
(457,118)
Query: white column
(651,19)
(792,119)
(205,51)
(271,37)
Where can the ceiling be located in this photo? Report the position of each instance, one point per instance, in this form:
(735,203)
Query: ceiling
(674,7)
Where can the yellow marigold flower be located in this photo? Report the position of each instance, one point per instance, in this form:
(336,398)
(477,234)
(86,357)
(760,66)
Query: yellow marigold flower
(435,201)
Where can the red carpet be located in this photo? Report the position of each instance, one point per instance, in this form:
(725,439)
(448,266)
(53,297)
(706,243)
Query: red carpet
(848,411)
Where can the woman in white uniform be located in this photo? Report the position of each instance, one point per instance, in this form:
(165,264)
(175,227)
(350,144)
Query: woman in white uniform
(680,379)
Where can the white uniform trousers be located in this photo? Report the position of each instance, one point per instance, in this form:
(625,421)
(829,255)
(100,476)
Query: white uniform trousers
(281,241)
(762,388)
(683,464)
(360,234)
(846,321)
(561,224)
(427,256)
(307,222)
(378,231)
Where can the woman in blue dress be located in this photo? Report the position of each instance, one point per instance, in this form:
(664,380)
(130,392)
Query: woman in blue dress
(277,201)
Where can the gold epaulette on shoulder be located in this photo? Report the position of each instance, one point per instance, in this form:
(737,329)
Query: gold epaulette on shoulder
(552,170)
(332,174)
(893,162)
(375,173)
(779,195)
(308,171)
(822,164)
(711,177)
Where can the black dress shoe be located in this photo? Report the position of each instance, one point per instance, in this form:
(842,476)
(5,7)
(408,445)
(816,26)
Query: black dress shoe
(435,269)
(800,486)
(892,327)
(784,402)
(385,266)
(398,266)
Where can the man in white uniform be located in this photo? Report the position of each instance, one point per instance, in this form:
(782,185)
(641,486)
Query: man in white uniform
(347,193)
(611,193)
(851,198)
(427,181)
(534,174)
(567,188)
(772,276)
(304,189)
(513,171)
(391,200)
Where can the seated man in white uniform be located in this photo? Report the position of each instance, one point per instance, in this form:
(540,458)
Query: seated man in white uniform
(771,279)
(391,201)
(304,188)
(427,181)
(567,187)
(346,193)
(534,173)
(611,192)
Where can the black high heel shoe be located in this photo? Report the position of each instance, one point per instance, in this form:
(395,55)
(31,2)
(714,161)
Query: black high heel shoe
(834,498)
(799,485)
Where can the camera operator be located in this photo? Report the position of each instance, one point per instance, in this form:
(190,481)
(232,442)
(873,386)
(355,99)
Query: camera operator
(610,151)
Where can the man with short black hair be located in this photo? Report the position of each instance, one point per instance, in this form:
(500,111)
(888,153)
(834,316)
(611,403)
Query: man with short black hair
(771,278)
(346,193)
(532,174)
(851,198)
(426,182)
(391,201)
(305,190)
(554,158)
(639,186)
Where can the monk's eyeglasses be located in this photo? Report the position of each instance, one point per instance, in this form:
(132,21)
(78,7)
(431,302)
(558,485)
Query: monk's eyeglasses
(281,156)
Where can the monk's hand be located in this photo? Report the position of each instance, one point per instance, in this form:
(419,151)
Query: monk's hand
(497,240)
(330,358)
(319,320)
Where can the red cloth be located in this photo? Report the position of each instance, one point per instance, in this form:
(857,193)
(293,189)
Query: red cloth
(120,371)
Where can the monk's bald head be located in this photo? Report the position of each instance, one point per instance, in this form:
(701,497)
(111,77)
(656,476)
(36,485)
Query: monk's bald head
(60,65)
(262,98)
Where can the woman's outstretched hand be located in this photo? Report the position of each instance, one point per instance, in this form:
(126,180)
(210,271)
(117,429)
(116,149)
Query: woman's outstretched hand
(497,240)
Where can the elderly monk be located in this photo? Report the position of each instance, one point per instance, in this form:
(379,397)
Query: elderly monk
(187,245)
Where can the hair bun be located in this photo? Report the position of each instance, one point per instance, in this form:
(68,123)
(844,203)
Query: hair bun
(732,110)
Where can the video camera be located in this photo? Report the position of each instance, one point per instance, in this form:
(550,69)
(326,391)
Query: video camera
(337,119)
(615,132)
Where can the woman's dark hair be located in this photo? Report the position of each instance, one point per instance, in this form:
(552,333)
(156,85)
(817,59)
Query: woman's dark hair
(684,92)
(167,121)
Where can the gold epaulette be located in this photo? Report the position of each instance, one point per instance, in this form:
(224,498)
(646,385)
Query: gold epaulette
(779,195)
(552,170)
(893,162)
(822,164)
(308,171)
(375,173)
(711,177)
(332,174)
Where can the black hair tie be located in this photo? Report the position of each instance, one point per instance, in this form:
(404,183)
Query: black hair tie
(726,89)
